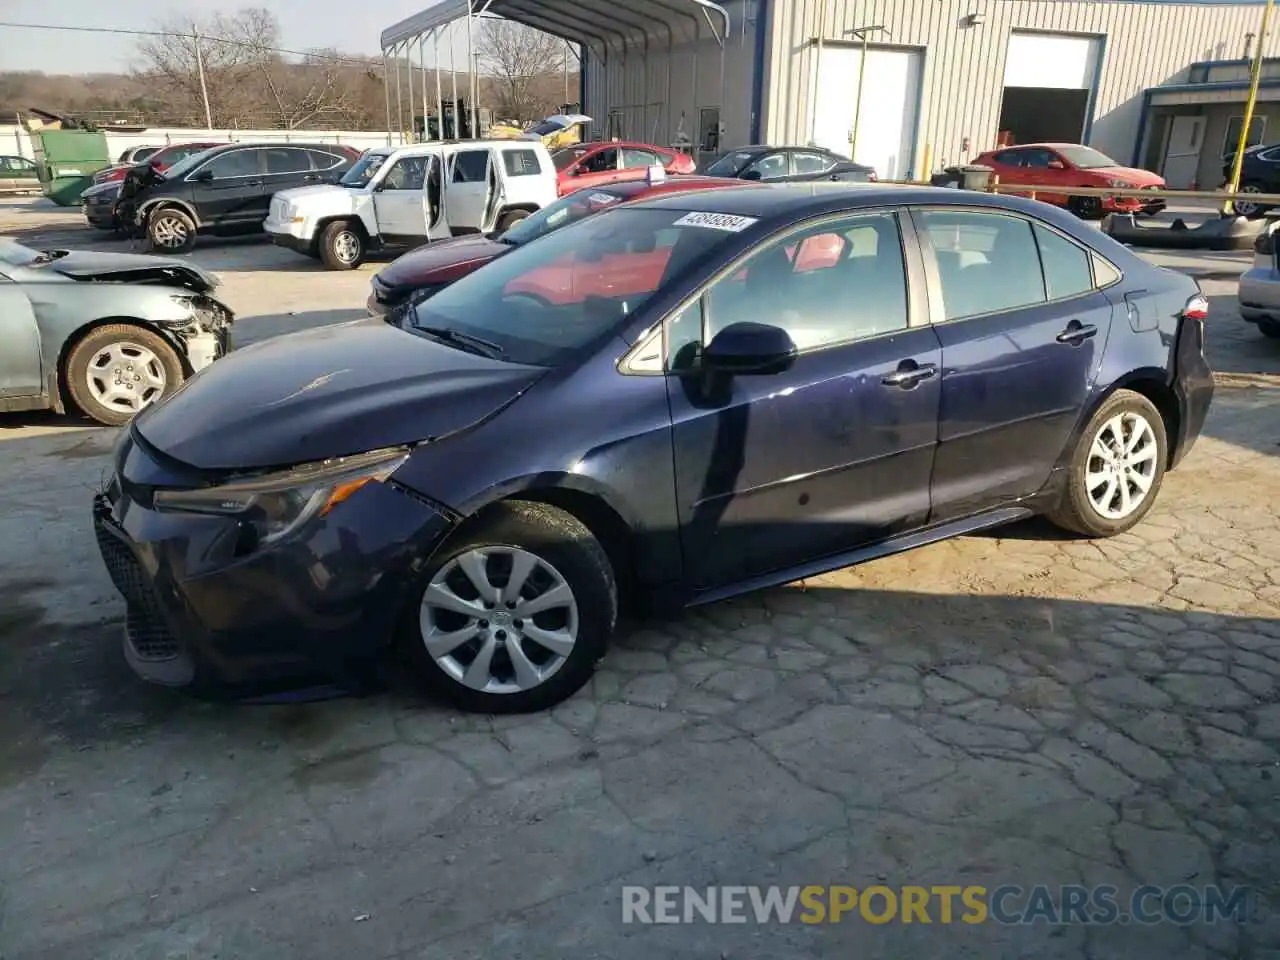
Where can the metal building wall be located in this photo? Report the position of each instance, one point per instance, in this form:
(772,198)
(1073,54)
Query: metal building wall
(654,89)
(1145,44)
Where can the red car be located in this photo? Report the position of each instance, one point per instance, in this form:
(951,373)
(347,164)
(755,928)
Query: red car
(1066,165)
(161,160)
(596,164)
(436,265)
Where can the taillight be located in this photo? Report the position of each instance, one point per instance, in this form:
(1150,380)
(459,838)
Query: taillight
(1197,308)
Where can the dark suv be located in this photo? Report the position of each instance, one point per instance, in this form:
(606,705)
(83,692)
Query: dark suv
(224,191)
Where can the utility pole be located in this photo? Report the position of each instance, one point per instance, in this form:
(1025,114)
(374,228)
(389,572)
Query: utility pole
(204,87)
(1255,75)
(861,34)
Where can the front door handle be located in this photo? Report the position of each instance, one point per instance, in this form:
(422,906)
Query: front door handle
(909,374)
(1077,333)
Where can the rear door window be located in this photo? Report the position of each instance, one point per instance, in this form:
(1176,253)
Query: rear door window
(987,262)
(521,163)
(322,160)
(282,160)
(470,166)
(632,158)
(806,163)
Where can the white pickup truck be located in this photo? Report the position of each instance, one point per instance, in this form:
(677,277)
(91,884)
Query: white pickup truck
(397,198)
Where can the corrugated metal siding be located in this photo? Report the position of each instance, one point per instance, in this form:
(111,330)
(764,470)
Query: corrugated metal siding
(1144,45)
(655,88)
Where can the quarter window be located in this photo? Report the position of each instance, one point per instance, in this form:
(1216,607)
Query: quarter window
(321,160)
(521,163)
(1066,266)
(470,166)
(237,163)
(829,284)
(986,262)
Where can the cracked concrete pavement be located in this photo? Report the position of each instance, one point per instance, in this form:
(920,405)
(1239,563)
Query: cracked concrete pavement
(1011,708)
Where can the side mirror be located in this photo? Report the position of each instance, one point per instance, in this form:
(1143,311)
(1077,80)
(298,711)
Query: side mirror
(749,348)
(752,175)
(1057,165)
(204,176)
(575,171)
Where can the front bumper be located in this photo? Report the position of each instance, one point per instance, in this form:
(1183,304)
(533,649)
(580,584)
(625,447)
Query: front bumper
(290,242)
(203,614)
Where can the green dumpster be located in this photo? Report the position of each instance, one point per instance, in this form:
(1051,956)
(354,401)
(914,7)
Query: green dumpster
(66,161)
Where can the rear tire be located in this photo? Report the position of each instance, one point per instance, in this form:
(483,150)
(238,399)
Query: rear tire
(1245,208)
(342,246)
(467,641)
(149,370)
(1116,469)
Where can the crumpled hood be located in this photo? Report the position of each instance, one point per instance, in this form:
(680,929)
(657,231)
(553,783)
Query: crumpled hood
(1131,175)
(133,268)
(441,262)
(328,392)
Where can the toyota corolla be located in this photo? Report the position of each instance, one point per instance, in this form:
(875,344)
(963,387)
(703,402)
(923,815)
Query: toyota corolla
(489,481)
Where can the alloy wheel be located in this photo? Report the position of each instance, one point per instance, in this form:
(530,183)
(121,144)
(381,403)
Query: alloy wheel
(1122,465)
(499,619)
(1247,208)
(169,232)
(125,377)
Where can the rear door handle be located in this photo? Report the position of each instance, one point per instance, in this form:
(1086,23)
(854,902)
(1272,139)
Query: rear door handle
(909,374)
(1077,333)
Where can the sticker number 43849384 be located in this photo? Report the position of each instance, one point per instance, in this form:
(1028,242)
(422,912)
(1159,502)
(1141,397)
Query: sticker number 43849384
(716,221)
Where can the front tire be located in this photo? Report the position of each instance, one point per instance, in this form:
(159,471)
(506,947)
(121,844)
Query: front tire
(170,230)
(117,370)
(342,246)
(510,219)
(489,644)
(1269,329)
(1116,469)
(1086,208)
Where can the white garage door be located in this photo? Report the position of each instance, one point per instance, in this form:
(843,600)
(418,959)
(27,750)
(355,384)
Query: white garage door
(887,123)
(1057,60)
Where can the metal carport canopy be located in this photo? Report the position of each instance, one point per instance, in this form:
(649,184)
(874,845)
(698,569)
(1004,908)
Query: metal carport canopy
(603,26)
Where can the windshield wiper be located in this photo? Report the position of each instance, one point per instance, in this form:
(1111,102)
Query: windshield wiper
(478,345)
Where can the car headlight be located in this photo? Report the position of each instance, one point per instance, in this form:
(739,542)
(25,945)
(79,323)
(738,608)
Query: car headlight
(276,504)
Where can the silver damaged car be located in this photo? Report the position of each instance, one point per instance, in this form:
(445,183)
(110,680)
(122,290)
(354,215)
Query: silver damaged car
(105,333)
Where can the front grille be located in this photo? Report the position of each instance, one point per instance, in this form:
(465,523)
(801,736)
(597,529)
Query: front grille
(145,626)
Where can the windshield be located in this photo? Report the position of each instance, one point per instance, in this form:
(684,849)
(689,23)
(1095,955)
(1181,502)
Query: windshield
(186,164)
(567,156)
(729,164)
(544,303)
(363,170)
(563,212)
(1086,158)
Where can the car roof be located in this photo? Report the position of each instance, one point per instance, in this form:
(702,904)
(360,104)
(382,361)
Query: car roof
(1046,144)
(799,200)
(639,188)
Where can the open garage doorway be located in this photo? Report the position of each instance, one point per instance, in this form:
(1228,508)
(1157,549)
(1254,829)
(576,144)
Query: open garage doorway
(1048,88)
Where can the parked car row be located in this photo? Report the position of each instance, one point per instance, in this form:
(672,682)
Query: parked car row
(747,383)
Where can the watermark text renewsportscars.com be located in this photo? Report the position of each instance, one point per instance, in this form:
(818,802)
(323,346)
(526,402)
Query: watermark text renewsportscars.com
(1008,904)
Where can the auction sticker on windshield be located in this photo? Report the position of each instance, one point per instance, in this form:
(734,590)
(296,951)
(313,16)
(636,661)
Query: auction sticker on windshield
(716,221)
(602,198)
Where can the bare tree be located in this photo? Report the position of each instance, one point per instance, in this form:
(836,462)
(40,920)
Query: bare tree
(229,49)
(518,59)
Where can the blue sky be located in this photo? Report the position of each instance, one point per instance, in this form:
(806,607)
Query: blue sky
(349,25)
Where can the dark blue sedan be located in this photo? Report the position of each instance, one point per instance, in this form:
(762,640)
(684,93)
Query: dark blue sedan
(666,404)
